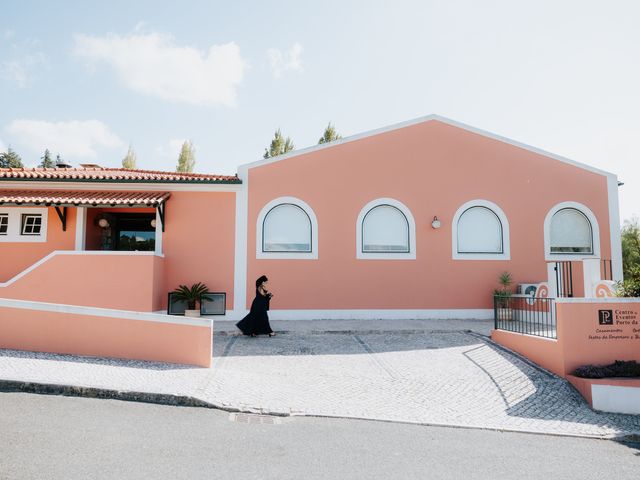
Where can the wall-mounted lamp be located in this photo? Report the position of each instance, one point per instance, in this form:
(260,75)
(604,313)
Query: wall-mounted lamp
(103,222)
(153,223)
(435,223)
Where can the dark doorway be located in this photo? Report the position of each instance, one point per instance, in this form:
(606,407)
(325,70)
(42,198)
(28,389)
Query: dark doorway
(134,231)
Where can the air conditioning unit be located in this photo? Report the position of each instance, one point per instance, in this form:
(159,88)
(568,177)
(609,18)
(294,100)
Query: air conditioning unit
(528,289)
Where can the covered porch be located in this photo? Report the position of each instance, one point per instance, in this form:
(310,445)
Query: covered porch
(104,220)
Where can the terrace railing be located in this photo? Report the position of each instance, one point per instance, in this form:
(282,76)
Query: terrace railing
(526,315)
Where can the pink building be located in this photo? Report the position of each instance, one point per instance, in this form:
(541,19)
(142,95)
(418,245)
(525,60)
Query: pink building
(415,220)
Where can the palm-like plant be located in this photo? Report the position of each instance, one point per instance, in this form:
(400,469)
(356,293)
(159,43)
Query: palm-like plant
(503,294)
(192,295)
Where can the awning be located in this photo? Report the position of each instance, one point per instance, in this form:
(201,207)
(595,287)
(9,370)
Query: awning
(80,198)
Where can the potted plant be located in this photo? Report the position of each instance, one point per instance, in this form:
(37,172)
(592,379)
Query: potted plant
(192,296)
(502,297)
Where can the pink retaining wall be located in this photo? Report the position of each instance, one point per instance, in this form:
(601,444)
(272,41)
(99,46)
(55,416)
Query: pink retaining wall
(113,280)
(433,168)
(80,334)
(544,351)
(582,338)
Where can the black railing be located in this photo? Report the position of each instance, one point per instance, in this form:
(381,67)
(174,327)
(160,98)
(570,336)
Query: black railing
(606,269)
(564,279)
(525,314)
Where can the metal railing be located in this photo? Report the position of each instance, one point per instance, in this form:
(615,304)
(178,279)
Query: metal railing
(525,314)
(564,278)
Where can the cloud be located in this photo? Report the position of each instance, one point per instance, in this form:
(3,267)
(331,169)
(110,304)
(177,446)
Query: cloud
(75,138)
(282,62)
(21,71)
(153,65)
(171,149)
(3,147)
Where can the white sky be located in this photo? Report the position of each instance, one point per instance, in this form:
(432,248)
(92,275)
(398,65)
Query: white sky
(88,79)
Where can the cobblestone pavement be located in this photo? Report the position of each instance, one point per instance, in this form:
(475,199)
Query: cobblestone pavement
(421,375)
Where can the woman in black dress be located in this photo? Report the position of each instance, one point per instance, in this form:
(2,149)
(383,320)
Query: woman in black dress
(257,321)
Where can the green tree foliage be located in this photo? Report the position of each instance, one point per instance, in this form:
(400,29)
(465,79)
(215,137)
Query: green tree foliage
(279,145)
(630,287)
(130,160)
(187,158)
(330,134)
(630,245)
(47,161)
(10,159)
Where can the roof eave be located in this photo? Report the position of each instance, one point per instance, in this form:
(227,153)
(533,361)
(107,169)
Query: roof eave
(127,181)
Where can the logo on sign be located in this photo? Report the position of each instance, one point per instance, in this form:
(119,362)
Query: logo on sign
(605,317)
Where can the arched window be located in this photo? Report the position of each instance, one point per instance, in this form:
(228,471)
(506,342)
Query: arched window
(570,232)
(385,230)
(287,228)
(479,231)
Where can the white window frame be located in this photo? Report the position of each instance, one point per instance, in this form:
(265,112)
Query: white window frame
(4,215)
(312,255)
(595,233)
(14,231)
(362,255)
(506,239)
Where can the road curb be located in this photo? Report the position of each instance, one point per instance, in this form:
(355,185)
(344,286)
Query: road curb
(189,401)
(124,395)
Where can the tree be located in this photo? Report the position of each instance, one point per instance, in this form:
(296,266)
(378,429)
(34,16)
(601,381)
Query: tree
(630,246)
(10,159)
(330,134)
(279,145)
(47,161)
(187,158)
(129,161)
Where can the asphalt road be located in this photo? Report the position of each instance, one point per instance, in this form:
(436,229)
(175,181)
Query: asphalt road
(49,437)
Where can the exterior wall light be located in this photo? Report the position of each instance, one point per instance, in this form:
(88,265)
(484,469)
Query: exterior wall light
(435,223)
(153,223)
(103,222)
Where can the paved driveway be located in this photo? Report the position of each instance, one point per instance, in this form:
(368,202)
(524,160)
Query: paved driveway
(423,375)
(447,378)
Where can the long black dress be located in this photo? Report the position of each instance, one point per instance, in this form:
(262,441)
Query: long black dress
(257,321)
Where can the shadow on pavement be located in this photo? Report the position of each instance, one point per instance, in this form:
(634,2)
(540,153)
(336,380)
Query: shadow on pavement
(543,404)
(338,344)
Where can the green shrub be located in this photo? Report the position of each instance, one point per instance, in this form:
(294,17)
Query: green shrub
(619,368)
(630,287)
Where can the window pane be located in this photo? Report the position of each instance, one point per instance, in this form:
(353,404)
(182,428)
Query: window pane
(4,224)
(479,231)
(287,228)
(31,224)
(571,232)
(385,229)
(133,240)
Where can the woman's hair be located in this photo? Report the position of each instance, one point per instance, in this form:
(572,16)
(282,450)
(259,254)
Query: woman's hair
(261,280)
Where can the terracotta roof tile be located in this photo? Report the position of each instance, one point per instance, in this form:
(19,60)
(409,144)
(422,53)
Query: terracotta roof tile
(102,174)
(80,198)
